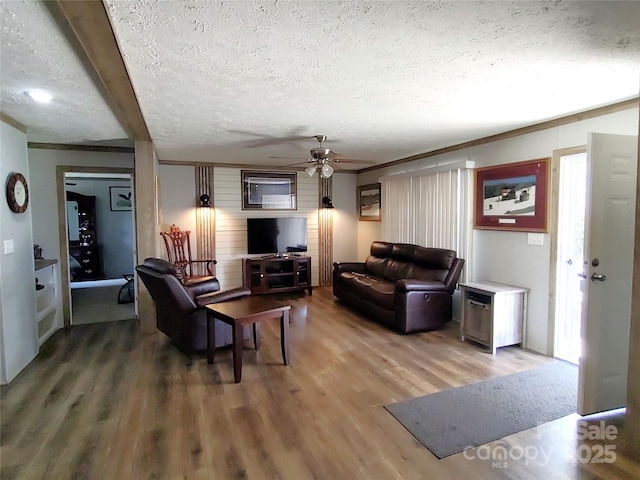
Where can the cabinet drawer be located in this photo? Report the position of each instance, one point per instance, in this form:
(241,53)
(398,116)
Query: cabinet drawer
(477,322)
(88,257)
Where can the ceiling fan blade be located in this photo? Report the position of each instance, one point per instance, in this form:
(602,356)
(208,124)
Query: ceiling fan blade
(338,157)
(273,141)
(352,160)
(289,158)
(296,164)
(265,140)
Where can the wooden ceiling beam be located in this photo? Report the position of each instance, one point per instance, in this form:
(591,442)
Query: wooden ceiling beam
(88,29)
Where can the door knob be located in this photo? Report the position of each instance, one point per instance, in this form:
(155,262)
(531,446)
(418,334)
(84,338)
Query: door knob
(599,277)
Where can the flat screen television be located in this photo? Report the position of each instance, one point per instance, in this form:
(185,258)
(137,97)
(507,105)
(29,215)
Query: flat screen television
(276,235)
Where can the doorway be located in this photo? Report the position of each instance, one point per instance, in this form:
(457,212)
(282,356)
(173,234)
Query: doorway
(605,271)
(97,244)
(569,284)
(100,231)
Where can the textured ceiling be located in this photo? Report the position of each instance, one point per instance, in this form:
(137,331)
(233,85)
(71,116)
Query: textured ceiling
(35,55)
(231,81)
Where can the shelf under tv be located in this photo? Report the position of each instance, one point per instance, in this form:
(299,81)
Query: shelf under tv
(274,274)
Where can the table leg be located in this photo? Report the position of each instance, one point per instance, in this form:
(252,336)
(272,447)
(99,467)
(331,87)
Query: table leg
(284,336)
(211,337)
(237,352)
(256,335)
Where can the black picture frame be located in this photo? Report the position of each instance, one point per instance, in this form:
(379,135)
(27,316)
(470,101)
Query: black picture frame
(269,190)
(369,202)
(120,199)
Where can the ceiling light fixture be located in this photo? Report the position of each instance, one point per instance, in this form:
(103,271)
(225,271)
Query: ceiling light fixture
(39,96)
(326,171)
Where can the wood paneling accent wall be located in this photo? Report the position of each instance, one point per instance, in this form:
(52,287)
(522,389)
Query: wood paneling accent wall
(205,218)
(325,232)
(231,225)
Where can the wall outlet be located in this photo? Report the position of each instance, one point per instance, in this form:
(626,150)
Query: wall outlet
(535,239)
(8,247)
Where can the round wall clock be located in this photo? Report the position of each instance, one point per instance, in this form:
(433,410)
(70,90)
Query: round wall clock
(17,193)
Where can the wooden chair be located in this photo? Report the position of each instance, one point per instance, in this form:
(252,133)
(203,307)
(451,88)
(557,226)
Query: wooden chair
(178,246)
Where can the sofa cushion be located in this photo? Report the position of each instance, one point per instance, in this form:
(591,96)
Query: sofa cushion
(434,258)
(369,288)
(396,261)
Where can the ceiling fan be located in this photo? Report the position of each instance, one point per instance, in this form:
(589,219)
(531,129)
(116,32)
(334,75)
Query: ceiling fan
(321,157)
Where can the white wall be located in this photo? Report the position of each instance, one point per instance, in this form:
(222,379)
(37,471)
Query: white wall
(42,165)
(18,326)
(345,219)
(114,229)
(506,257)
(177,191)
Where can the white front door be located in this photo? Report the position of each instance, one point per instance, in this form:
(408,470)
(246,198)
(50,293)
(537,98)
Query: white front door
(570,256)
(609,242)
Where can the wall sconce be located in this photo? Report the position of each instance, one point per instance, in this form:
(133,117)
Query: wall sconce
(326,203)
(204,201)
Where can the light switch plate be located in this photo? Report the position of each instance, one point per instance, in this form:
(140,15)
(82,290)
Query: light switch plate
(8,246)
(535,238)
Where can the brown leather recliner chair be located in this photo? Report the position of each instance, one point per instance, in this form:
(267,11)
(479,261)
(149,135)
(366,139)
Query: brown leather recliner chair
(180,312)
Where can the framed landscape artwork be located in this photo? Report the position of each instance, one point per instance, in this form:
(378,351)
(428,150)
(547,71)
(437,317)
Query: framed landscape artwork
(513,196)
(369,205)
(120,199)
(268,190)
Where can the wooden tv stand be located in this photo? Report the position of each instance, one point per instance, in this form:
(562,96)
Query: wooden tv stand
(275,274)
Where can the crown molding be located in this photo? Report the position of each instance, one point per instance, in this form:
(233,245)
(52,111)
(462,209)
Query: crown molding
(575,117)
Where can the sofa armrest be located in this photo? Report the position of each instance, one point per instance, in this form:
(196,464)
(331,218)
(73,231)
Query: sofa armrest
(413,285)
(222,296)
(358,267)
(454,274)
(201,286)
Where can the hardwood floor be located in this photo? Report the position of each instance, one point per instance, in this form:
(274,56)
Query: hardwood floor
(104,401)
(99,304)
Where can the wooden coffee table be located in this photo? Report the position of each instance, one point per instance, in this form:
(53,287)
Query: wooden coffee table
(247,311)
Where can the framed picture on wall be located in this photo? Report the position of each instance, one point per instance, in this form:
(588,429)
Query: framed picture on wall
(120,199)
(369,206)
(268,190)
(513,196)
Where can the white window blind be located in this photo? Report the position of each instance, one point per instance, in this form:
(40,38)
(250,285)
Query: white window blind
(431,209)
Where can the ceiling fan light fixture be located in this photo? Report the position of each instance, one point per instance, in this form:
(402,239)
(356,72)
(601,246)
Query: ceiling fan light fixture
(326,171)
(321,153)
(311,169)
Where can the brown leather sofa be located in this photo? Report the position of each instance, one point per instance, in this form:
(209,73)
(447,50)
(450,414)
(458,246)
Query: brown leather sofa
(405,287)
(180,312)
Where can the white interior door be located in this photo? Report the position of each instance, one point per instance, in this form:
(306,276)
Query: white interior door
(609,242)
